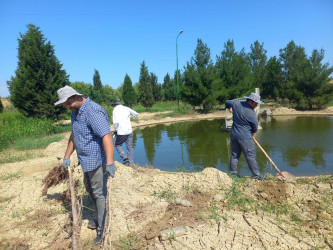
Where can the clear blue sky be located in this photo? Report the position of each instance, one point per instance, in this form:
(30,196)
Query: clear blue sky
(114,37)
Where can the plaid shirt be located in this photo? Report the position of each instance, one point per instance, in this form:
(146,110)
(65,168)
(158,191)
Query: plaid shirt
(89,126)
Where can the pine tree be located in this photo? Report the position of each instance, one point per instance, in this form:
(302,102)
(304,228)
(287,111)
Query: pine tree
(169,89)
(258,61)
(1,107)
(156,87)
(233,70)
(38,76)
(198,78)
(272,85)
(97,88)
(145,88)
(128,95)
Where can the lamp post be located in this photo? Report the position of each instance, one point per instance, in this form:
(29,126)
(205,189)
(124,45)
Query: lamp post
(177,67)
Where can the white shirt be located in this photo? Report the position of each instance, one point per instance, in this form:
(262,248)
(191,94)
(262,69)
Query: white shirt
(121,119)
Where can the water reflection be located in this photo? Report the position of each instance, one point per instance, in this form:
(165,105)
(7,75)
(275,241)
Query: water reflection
(300,145)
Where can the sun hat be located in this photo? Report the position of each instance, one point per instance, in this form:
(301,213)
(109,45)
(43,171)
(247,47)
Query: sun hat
(254,97)
(64,93)
(116,102)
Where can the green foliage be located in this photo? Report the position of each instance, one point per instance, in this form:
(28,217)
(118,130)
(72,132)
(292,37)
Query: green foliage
(233,73)
(306,78)
(37,78)
(15,125)
(83,88)
(198,78)
(156,87)
(145,87)
(129,96)
(272,85)
(97,81)
(36,142)
(157,107)
(258,61)
(1,107)
(108,95)
(97,91)
(169,89)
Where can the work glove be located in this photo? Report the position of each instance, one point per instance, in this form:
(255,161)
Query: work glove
(111,170)
(66,163)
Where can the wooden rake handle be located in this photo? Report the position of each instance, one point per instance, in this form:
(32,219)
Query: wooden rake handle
(254,139)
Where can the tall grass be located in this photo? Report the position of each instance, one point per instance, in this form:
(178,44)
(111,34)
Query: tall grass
(14,125)
(157,107)
(36,143)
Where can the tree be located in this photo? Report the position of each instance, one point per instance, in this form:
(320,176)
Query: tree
(156,87)
(83,88)
(313,84)
(97,89)
(258,60)
(169,89)
(128,96)
(38,76)
(108,95)
(233,72)
(306,78)
(198,78)
(272,85)
(1,107)
(145,88)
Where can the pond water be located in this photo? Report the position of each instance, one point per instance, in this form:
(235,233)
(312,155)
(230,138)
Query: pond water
(302,146)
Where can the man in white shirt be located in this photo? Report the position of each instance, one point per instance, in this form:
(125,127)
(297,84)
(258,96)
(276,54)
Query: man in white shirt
(123,130)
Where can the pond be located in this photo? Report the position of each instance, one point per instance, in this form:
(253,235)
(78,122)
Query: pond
(301,145)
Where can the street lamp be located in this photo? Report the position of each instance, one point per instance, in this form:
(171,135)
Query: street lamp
(177,68)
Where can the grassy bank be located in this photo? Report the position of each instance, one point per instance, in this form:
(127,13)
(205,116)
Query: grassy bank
(19,132)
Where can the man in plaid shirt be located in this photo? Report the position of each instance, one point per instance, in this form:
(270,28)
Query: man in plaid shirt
(91,137)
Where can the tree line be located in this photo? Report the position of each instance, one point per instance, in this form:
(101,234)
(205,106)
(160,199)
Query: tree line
(300,79)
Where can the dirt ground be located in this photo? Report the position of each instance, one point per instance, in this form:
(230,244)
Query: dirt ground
(212,210)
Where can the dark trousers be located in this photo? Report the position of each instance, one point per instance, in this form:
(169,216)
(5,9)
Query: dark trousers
(247,147)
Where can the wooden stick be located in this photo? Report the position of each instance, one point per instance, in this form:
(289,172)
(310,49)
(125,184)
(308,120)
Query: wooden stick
(266,155)
(75,228)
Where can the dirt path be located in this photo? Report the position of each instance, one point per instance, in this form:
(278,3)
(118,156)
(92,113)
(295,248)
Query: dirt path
(224,214)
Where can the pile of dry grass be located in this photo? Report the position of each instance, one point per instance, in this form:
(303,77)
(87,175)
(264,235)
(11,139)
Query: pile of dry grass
(55,176)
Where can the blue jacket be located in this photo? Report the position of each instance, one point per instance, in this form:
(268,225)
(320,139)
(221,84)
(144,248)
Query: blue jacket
(244,119)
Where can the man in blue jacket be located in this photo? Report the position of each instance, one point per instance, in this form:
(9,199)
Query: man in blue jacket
(92,140)
(245,124)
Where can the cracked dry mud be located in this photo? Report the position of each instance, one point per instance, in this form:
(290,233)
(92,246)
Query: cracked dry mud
(253,214)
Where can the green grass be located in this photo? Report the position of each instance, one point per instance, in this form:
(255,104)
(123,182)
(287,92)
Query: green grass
(36,143)
(166,194)
(157,107)
(15,126)
(10,158)
(330,103)
(236,197)
(131,241)
(213,214)
(11,176)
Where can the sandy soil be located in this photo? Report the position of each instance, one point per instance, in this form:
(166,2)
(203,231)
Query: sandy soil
(223,214)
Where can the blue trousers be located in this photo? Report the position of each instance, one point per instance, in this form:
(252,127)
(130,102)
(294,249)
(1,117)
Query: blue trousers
(95,182)
(247,147)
